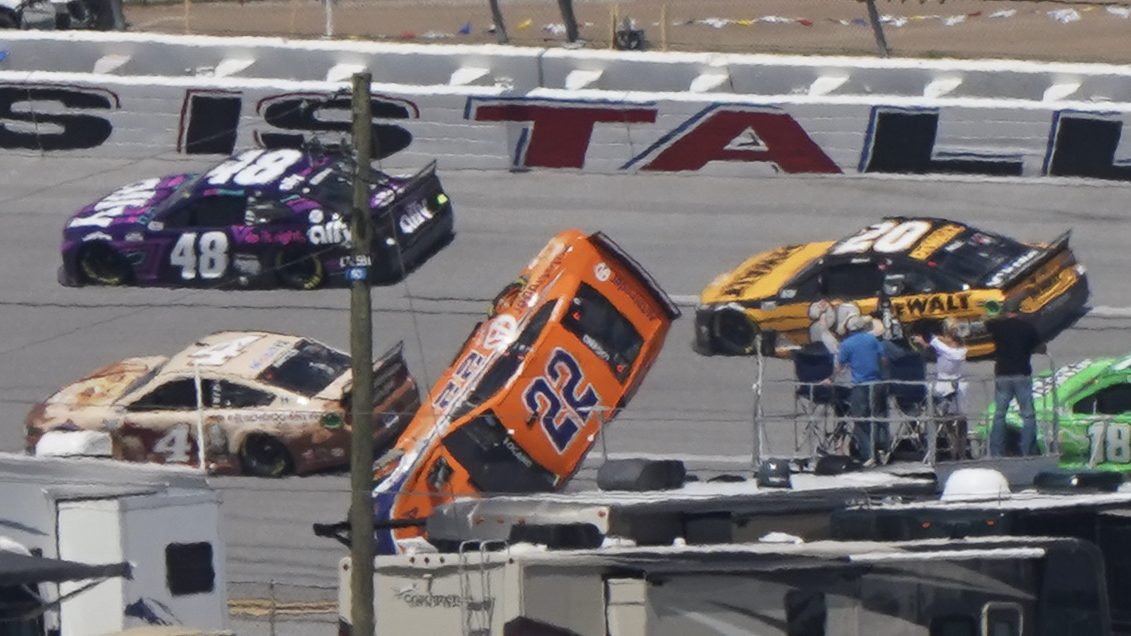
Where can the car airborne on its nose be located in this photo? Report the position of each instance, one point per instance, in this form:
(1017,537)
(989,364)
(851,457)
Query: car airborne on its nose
(928,269)
(262,218)
(267,404)
(565,348)
(1091,400)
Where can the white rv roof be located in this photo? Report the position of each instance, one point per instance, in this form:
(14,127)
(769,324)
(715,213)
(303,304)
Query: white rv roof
(83,477)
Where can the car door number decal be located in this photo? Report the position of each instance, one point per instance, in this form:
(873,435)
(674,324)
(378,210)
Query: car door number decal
(886,237)
(208,257)
(174,445)
(255,167)
(1110,442)
(559,399)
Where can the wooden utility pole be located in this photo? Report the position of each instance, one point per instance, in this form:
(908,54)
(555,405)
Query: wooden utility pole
(361,359)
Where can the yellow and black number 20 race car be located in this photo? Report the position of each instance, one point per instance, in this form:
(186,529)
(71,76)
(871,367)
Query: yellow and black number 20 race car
(928,269)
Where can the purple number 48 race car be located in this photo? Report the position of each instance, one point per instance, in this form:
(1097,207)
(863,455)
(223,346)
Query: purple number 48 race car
(262,218)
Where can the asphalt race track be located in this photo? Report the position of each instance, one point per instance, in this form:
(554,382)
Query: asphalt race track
(685,230)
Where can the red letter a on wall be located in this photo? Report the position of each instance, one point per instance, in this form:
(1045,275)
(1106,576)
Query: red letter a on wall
(726,132)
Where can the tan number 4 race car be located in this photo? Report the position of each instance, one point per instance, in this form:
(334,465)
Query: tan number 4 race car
(266,404)
(927,268)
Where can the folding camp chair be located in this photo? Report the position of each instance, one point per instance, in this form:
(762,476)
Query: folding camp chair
(821,406)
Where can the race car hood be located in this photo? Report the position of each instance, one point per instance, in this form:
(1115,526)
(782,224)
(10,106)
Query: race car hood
(764,274)
(132,204)
(106,385)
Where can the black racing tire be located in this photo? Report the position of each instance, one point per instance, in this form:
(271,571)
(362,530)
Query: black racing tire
(734,333)
(297,268)
(9,20)
(101,264)
(264,456)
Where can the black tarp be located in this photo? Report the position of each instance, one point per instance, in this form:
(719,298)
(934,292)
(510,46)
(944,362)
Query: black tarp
(21,569)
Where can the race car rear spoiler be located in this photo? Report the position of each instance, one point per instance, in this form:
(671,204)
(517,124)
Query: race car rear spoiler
(386,368)
(413,182)
(1027,263)
(612,249)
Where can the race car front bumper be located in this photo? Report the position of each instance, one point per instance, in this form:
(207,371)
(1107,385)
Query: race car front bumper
(67,278)
(727,330)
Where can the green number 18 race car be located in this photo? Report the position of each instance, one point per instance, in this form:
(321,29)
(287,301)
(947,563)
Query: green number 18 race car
(1093,401)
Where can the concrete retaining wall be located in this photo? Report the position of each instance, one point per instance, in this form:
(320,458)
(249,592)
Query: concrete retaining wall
(128,95)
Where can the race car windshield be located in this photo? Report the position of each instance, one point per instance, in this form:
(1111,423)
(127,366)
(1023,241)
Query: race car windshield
(604,330)
(494,461)
(183,191)
(332,188)
(975,255)
(507,364)
(307,368)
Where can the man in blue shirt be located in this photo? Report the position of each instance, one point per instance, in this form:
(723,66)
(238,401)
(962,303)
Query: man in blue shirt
(864,355)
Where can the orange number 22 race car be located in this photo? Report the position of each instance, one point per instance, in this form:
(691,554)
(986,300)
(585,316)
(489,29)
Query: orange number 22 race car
(564,350)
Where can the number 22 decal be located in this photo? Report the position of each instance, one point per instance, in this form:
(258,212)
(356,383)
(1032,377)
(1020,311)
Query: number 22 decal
(209,257)
(559,389)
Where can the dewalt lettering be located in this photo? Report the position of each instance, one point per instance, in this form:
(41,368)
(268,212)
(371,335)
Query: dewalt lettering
(759,269)
(917,306)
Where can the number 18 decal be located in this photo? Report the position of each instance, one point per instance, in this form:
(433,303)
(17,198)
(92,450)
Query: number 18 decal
(212,249)
(1111,442)
(564,404)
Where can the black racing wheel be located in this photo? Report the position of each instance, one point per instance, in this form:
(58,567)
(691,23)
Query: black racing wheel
(297,268)
(735,333)
(101,264)
(264,456)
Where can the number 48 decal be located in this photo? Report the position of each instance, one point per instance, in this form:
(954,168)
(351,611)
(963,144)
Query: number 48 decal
(209,257)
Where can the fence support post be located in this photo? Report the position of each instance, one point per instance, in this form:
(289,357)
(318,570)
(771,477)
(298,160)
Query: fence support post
(271,610)
(500,27)
(570,20)
(877,28)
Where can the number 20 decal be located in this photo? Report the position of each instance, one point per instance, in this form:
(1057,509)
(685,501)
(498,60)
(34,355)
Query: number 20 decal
(563,404)
(209,257)
(886,237)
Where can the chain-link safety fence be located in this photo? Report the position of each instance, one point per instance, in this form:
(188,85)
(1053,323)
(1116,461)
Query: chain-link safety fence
(1064,30)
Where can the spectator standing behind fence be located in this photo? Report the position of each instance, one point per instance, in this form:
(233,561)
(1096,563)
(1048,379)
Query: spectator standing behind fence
(949,389)
(1015,341)
(863,354)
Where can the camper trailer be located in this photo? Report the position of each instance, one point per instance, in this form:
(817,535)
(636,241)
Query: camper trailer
(975,587)
(157,529)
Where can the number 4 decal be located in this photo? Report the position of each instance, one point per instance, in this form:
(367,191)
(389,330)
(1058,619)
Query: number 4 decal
(212,250)
(174,445)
